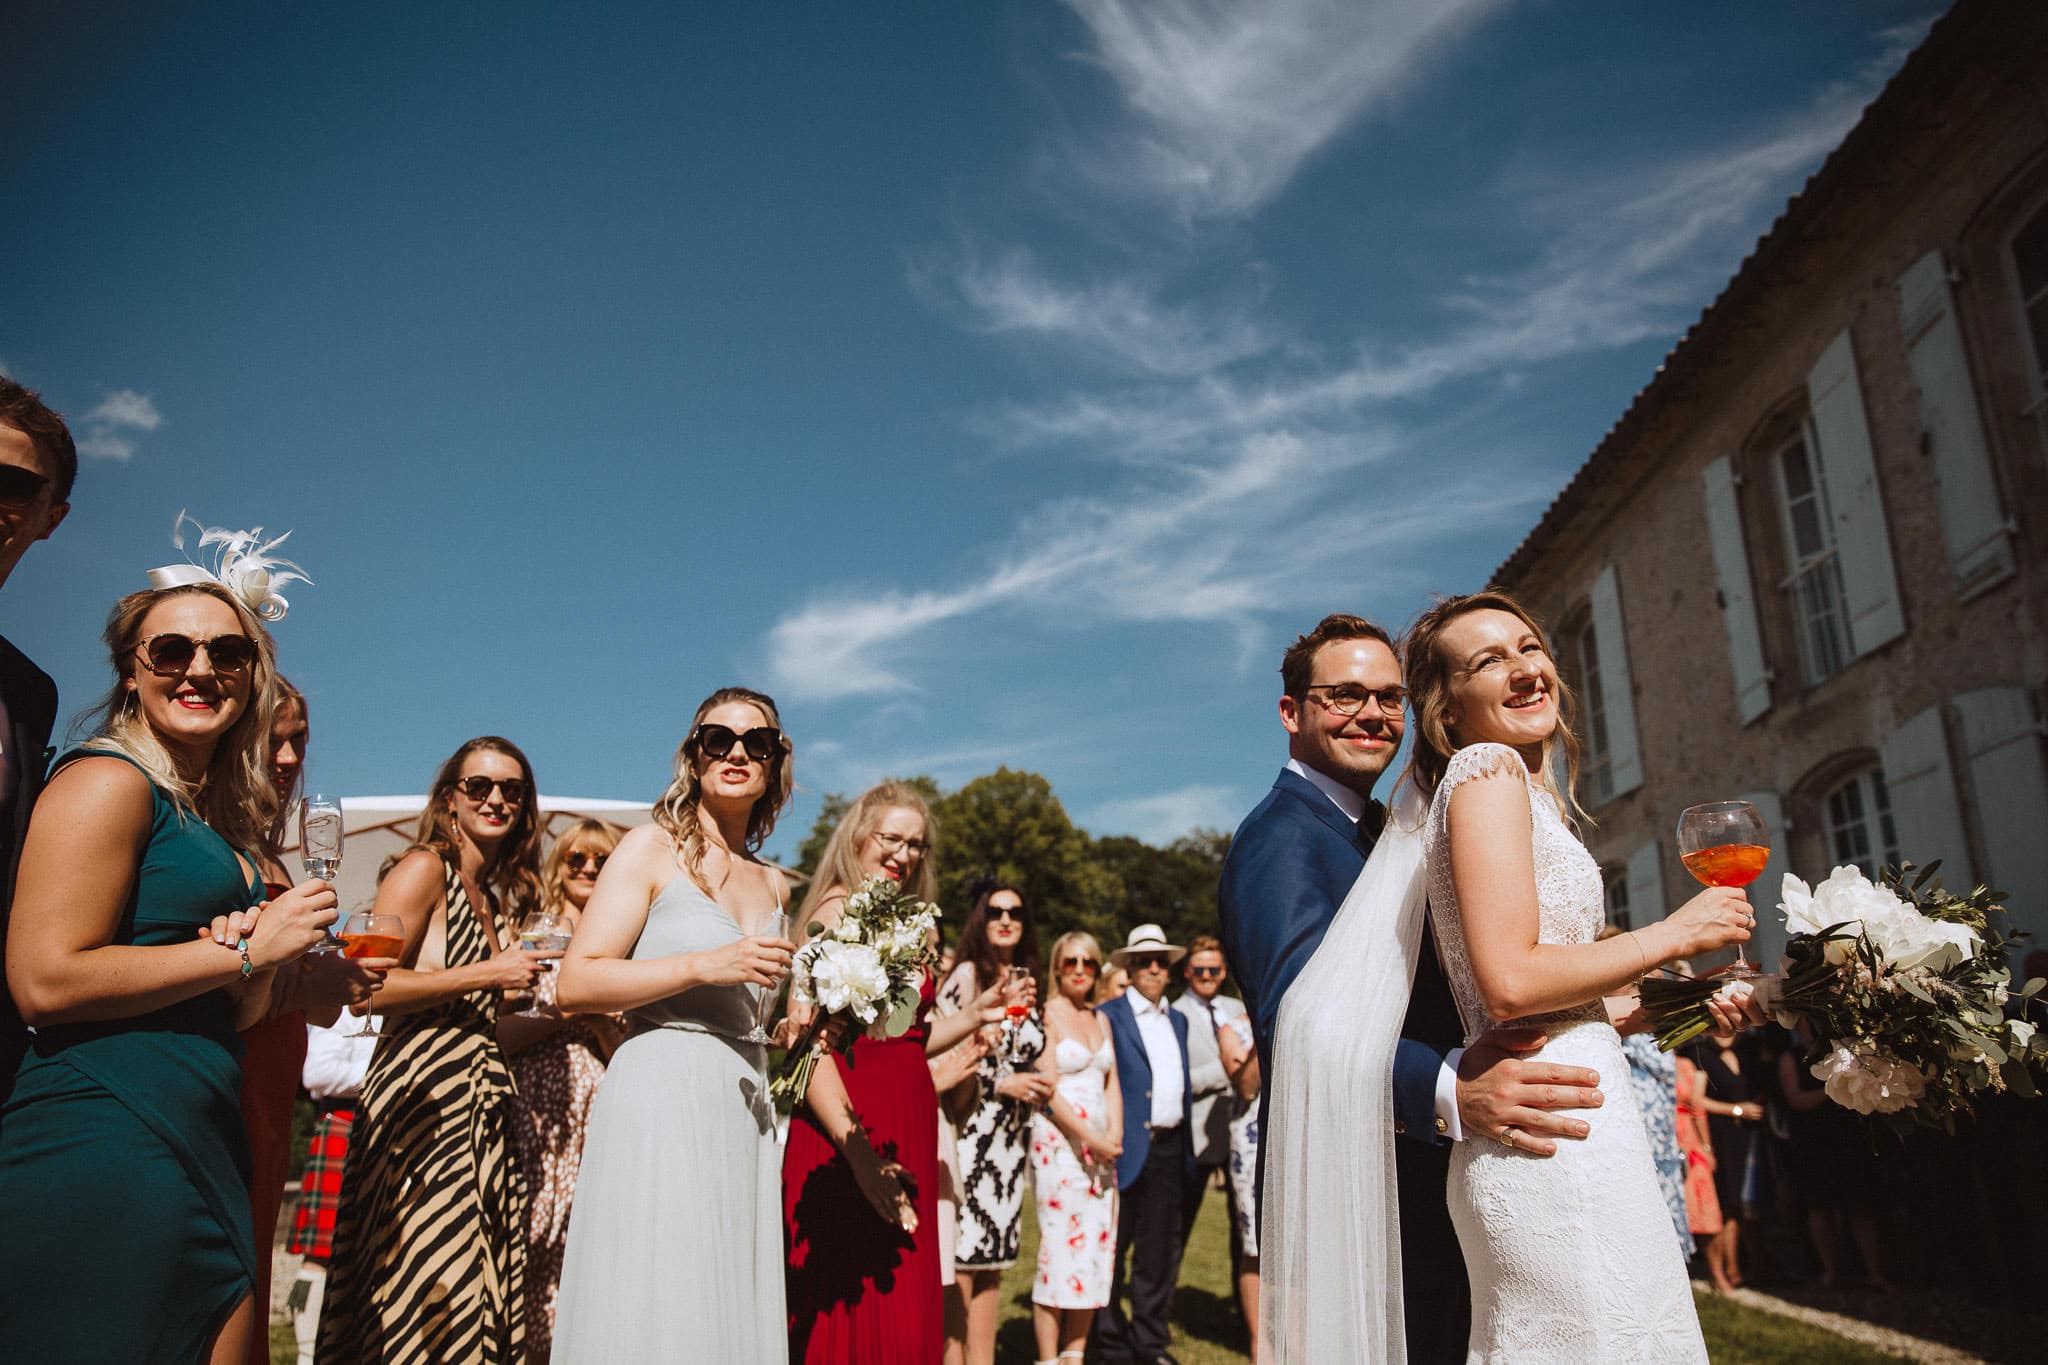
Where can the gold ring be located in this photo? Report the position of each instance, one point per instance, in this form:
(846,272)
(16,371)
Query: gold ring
(1508,1137)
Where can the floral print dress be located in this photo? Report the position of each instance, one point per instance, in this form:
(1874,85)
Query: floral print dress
(1076,1197)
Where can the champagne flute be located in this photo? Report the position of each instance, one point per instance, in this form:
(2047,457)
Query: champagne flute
(774,924)
(369,934)
(1723,843)
(547,932)
(320,845)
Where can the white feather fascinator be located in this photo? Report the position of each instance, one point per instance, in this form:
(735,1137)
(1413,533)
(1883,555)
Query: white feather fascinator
(245,565)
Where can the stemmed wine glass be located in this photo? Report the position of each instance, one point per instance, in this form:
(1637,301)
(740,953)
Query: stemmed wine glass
(773,924)
(369,934)
(548,932)
(320,845)
(1723,843)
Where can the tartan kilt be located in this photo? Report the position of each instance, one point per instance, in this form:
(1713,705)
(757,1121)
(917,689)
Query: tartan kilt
(320,1185)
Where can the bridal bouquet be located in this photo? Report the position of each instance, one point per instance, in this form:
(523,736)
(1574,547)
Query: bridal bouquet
(867,968)
(1904,987)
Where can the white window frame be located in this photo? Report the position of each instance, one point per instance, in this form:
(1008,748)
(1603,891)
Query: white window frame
(2036,352)
(1870,827)
(1596,749)
(1813,581)
(1614,896)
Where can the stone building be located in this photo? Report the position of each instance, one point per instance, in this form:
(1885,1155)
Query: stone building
(1809,565)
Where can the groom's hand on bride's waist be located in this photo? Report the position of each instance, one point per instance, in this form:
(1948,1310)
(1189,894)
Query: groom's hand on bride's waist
(1500,1090)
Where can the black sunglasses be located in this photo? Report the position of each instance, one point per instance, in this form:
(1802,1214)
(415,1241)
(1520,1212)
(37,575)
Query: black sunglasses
(762,742)
(170,654)
(19,487)
(1015,912)
(579,860)
(1205,972)
(478,788)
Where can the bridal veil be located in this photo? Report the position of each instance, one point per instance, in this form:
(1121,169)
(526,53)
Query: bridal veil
(1330,1222)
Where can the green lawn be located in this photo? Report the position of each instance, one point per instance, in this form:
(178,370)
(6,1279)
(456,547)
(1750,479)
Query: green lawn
(1207,1331)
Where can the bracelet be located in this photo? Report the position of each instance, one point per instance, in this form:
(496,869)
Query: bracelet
(248,967)
(1643,952)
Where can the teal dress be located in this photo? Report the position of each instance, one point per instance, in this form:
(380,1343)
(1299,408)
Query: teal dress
(124,1168)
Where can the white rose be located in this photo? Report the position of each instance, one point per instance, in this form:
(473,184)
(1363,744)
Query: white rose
(1910,939)
(848,929)
(2022,1032)
(1868,1083)
(849,977)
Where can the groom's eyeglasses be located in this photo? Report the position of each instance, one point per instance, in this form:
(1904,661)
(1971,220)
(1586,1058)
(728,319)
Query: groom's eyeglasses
(1348,699)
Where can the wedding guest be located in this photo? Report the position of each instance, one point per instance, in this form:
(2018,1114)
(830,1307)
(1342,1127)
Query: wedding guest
(1702,1204)
(1731,1102)
(675,1248)
(274,1048)
(1157,1162)
(1238,1047)
(998,940)
(1833,1168)
(1208,1012)
(864,1142)
(557,1062)
(1114,982)
(337,1057)
(124,1196)
(956,1075)
(38,462)
(1075,1141)
(430,1241)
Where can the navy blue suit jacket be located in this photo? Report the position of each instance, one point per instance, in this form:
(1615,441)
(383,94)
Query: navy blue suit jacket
(1290,866)
(1134,1078)
(32,708)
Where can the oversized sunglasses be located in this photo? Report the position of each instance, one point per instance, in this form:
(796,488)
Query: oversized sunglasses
(1015,912)
(576,862)
(478,788)
(1139,961)
(19,487)
(170,654)
(1084,964)
(762,742)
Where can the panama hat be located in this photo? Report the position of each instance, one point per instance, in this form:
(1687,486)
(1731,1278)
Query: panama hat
(1148,938)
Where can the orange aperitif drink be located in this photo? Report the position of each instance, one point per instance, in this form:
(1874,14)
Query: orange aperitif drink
(372,945)
(1727,864)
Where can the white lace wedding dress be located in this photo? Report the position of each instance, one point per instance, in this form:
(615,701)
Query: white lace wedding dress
(1572,1258)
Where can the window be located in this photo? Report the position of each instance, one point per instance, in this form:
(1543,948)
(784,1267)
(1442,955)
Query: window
(1596,753)
(1813,585)
(1616,882)
(2030,268)
(1860,830)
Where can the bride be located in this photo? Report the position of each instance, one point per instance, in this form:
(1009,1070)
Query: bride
(1572,1257)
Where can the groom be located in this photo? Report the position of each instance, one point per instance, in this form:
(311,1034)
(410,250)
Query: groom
(1290,866)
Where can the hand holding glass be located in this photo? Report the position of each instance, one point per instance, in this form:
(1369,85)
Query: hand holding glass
(320,845)
(774,924)
(543,932)
(1723,843)
(368,934)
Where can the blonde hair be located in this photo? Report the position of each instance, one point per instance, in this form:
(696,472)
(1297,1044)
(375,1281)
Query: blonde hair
(676,811)
(235,795)
(1428,674)
(279,832)
(838,868)
(1087,943)
(515,872)
(582,833)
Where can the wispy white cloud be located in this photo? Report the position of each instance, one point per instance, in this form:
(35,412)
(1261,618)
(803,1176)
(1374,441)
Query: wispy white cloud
(1121,320)
(108,432)
(1227,100)
(1166,816)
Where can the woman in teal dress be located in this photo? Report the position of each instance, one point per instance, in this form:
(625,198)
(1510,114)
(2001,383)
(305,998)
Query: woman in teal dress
(132,948)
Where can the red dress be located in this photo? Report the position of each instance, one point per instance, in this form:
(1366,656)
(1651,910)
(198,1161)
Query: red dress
(860,1291)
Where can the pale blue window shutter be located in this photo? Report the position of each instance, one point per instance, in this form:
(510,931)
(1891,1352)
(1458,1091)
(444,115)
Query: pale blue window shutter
(2002,741)
(1966,488)
(1767,941)
(1646,885)
(1738,598)
(1625,761)
(1870,585)
(1923,797)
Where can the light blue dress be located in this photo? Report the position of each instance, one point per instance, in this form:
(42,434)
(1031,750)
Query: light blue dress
(1653,1075)
(675,1238)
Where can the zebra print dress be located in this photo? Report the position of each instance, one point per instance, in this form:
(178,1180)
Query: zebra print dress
(430,1243)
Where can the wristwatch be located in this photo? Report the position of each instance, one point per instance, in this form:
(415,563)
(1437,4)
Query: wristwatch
(1740,1112)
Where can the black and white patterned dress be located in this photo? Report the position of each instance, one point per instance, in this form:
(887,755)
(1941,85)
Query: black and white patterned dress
(995,1141)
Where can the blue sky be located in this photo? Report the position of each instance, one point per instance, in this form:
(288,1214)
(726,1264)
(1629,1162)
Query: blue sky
(991,382)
